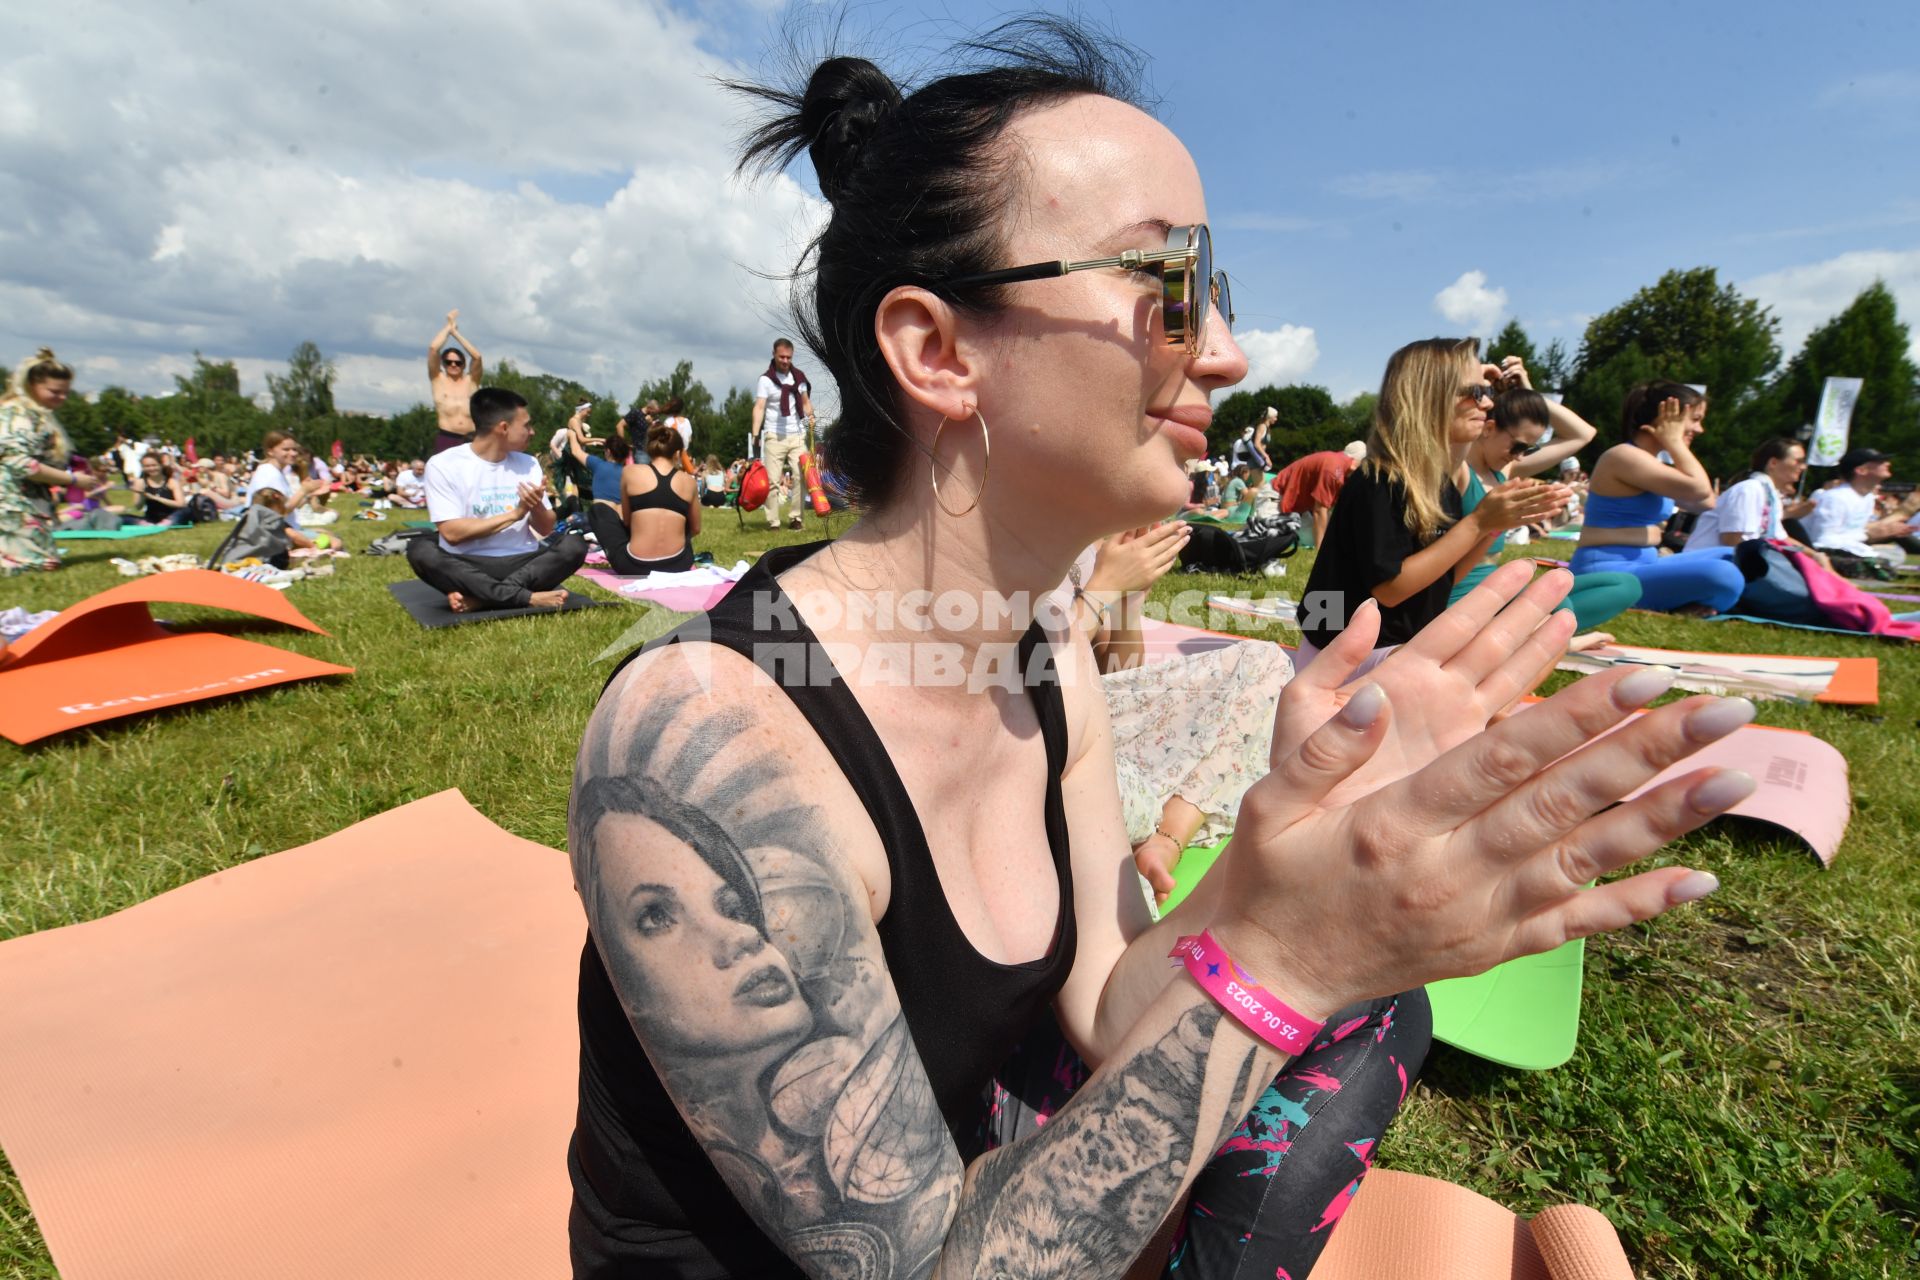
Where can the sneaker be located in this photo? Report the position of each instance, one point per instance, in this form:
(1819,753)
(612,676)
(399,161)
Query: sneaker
(796,523)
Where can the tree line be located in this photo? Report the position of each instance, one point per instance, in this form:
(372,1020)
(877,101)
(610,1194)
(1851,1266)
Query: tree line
(1688,327)
(209,407)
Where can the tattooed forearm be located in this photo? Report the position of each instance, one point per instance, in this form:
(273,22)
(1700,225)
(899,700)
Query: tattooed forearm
(754,979)
(1084,1196)
(745,956)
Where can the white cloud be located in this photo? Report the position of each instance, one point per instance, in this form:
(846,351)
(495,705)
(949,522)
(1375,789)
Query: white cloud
(1387,184)
(1806,297)
(1422,186)
(237,179)
(1276,357)
(1271,223)
(1884,88)
(1471,305)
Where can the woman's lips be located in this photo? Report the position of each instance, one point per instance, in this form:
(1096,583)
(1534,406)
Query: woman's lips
(766,986)
(1186,426)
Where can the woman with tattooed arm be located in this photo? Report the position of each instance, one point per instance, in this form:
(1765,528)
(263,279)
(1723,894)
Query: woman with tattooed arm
(881,843)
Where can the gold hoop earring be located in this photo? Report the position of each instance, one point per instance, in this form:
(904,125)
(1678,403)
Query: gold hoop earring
(933,464)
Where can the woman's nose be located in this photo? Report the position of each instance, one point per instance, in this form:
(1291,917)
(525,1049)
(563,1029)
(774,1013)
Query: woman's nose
(736,942)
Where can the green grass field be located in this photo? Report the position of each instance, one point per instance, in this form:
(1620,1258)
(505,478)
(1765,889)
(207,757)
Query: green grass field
(1745,1100)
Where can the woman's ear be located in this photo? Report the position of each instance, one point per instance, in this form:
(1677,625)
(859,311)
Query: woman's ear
(918,335)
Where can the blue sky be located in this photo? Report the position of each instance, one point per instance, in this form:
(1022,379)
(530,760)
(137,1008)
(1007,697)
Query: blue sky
(236,178)
(1360,159)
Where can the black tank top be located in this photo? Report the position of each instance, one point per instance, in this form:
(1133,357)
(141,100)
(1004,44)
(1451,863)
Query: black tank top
(647,1201)
(661,497)
(156,512)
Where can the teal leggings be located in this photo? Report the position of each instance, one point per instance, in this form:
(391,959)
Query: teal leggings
(1596,598)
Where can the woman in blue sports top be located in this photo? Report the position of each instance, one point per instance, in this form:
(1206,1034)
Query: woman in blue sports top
(1529,435)
(1636,487)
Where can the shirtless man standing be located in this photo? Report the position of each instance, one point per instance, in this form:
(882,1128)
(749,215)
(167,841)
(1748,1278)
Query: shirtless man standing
(453,384)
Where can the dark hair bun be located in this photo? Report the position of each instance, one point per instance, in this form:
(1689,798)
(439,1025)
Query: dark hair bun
(662,441)
(845,99)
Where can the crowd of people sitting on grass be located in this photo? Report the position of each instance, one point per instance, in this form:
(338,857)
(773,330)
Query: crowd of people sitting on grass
(783,933)
(1653,530)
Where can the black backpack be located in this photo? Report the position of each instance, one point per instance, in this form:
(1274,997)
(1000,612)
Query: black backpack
(1214,550)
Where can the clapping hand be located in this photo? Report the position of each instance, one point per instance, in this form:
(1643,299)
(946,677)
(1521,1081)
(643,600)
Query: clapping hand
(1512,503)
(1430,847)
(533,497)
(1446,683)
(1135,560)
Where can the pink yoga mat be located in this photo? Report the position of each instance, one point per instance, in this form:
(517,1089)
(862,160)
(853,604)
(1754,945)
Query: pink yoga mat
(678,599)
(1171,640)
(1803,780)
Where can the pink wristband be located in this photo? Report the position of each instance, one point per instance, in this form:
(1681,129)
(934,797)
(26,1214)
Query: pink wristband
(1256,1008)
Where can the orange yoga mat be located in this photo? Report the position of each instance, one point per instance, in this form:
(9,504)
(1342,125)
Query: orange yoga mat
(1843,681)
(1406,1227)
(357,1058)
(106,657)
(352,1059)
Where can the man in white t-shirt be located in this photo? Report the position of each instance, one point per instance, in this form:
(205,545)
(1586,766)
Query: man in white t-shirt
(782,433)
(410,486)
(1843,514)
(488,501)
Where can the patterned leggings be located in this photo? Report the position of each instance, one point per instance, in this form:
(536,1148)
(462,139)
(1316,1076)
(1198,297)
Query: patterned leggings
(1266,1204)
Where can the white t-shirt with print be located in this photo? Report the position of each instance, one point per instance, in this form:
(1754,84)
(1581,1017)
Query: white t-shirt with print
(1750,509)
(1839,519)
(776,423)
(462,485)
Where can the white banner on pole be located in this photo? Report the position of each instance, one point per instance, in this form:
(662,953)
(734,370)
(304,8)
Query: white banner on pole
(1834,421)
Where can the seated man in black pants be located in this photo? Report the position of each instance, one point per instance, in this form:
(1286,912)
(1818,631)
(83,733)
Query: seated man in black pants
(488,500)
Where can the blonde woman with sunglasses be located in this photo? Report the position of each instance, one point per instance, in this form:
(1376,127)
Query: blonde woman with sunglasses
(851,838)
(1399,534)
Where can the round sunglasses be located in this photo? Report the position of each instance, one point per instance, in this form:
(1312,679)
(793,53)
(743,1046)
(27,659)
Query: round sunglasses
(1190,287)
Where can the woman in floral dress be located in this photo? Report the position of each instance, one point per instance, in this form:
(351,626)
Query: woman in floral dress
(33,456)
(1191,734)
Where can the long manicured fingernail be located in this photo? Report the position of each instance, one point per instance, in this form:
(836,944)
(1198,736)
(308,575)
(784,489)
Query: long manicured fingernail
(1722,791)
(1694,886)
(1720,718)
(1642,687)
(1364,707)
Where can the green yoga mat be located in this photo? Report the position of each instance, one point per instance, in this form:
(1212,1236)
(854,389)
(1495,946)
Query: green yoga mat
(124,531)
(417,524)
(1524,1013)
(1195,517)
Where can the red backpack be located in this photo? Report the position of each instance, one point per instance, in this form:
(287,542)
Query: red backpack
(753,486)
